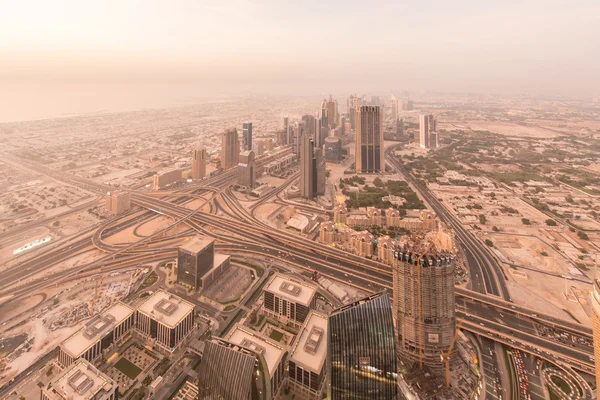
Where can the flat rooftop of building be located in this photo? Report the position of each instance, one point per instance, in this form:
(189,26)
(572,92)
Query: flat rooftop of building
(246,337)
(81,380)
(296,291)
(219,260)
(166,308)
(95,329)
(196,244)
(310,349)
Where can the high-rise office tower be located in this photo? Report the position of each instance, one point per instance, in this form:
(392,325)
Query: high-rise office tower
(424,303)
(596,327)
(369,156)
(309,122)
(194,259)
(424,129)
(247,169)
(331,111)
(297,133)
(199,163)
(427,131)
(308,166)
(361,362)
(394,109)
(320,171)
(230,149)
(247,135)
(399,127)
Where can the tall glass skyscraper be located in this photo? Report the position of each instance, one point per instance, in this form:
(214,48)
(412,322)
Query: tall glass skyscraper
(362,351)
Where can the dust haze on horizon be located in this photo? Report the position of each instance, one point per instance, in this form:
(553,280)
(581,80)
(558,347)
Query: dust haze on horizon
(75,56)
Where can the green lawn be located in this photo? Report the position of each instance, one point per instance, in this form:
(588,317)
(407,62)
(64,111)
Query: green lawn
(128,368)
(276,335)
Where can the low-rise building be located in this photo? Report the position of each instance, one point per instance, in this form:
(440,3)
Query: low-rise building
(80,381)
(362,242)
(165,319)
(339,213)
(118,202)
(306,365)
(98,335)
(273,353)
(288,300)
(166,178)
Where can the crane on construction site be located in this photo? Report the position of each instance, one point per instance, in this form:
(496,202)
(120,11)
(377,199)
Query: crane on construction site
(446,357)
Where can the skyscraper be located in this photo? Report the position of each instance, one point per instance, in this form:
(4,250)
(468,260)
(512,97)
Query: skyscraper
(369,155)
(424,303)
(309,122)
(247,169)
(361,362)
(427,131)
(331,112)
(596,327)
(296,136)
(199,163)
(424,131)
(247,135)
(394,109)
(308,168)
(230,148)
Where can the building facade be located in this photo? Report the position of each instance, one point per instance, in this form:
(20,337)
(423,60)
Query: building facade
(199,163)
(306,365)
(194,259)
(165,319)
(273,353)
(595,297)
(247,169)
(167,178)
(99,334)
(424,303)
(231,371)
(288,300)
(308,168)
(333,149)
(369,155)
(118,203)
(230,149)
(361,362)
(247,135)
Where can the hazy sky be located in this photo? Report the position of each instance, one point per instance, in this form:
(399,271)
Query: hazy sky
(305,45)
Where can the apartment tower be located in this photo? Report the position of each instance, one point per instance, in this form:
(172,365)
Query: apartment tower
(230,149)
(199,163)
(369,156)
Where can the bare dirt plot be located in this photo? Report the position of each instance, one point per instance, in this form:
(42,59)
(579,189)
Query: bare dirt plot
(531,252)
(509,129)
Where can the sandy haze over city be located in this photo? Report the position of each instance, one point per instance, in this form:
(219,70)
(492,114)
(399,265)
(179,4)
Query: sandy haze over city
(71,57)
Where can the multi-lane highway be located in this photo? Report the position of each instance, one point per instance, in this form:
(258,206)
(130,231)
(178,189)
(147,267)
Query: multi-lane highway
(486,275)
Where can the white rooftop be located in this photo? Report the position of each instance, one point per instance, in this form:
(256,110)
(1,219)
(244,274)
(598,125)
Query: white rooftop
(218,261)
(310,348)
(288,288)
(166,308)
(273,353)
(80,381)
(196,244)
(95,329)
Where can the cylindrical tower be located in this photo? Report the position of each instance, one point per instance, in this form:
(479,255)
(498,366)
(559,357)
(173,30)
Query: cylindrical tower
(424,304)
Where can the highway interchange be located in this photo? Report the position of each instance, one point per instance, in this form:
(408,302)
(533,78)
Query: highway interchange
(485,308)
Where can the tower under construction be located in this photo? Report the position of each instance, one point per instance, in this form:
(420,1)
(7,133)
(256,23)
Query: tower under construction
(423,277)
